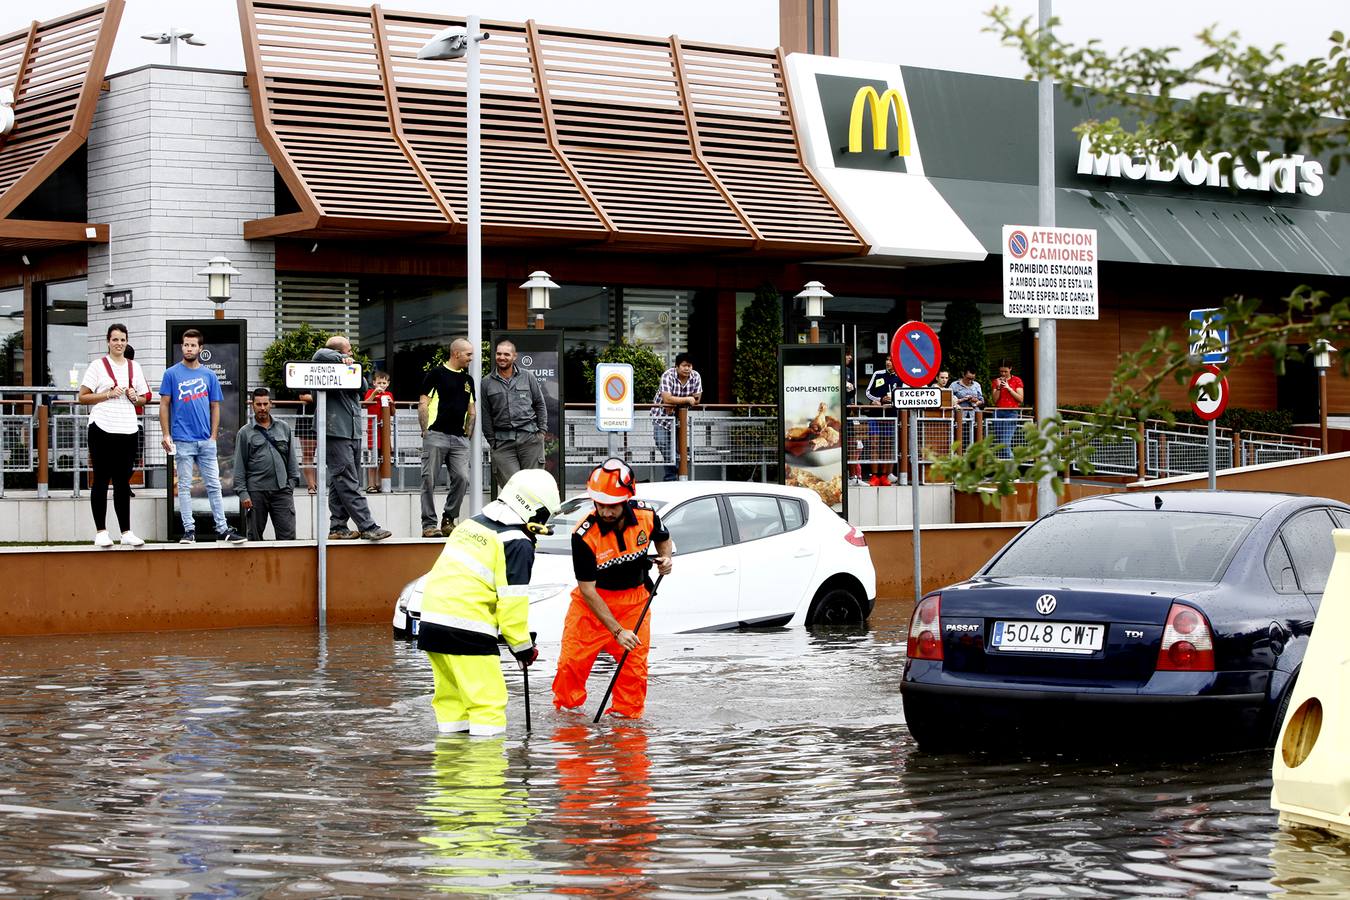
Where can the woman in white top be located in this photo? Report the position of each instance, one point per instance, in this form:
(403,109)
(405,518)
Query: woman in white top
(115,390)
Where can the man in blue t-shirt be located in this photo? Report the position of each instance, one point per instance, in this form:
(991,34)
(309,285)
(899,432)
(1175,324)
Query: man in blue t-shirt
(189,417)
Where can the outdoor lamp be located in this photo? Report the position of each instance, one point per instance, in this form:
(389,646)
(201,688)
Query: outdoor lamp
(815,295)
(218,273)
(537,291)
(452,43)
(1322,351)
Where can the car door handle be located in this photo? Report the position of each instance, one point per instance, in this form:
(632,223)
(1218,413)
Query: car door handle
(725,570)
(802,551)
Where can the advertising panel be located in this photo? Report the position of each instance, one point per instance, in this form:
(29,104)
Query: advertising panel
(540,352)
(224,352)
(812,421)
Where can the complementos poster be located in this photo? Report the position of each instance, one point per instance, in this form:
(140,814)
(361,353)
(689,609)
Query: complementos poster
(812,420)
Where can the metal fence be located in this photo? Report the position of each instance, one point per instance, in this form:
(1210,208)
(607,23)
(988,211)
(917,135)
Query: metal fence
(722,442)
(1259,447)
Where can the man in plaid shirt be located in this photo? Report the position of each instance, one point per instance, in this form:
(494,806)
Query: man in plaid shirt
(680,386)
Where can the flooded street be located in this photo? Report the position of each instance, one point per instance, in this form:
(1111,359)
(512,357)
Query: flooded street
(276,763)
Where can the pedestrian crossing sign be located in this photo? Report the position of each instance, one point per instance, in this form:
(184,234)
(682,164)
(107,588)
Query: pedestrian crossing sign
(1208,336)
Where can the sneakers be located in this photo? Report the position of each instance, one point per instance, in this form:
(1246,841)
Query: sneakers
(877,481)
(342,534)
(129,539)
(376,534)
(189,537)
(234,537)
(447,526)
(431,533)
(856,481)
(102,540)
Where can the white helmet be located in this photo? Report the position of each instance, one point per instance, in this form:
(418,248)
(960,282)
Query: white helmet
(530,495)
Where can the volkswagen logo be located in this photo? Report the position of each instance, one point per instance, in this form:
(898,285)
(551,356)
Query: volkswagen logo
(1045,604)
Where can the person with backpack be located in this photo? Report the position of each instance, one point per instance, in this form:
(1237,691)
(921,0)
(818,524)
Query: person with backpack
(115,391)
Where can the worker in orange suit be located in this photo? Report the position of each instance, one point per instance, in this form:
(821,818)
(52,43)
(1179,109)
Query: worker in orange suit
(609,558)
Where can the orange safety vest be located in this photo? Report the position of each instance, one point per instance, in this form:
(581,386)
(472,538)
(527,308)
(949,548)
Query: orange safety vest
(621,547)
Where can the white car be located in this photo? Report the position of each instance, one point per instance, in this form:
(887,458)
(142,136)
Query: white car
(746,556)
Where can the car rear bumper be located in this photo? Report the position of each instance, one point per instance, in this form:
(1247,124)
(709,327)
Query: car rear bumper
(1205,707)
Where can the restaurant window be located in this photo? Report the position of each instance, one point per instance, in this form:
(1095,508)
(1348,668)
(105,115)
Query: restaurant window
(65,332)
(11,336)
(657,319)
(585,314)
(423,316)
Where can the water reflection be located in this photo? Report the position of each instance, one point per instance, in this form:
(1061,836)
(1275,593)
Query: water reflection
(478,819)
(264,763)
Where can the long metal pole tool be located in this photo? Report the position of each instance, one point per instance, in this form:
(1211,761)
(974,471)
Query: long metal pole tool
(623,659)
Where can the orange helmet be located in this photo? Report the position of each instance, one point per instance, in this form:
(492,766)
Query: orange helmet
(611,482)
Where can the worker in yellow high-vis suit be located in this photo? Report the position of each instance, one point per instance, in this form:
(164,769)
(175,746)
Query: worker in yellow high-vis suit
(476,590)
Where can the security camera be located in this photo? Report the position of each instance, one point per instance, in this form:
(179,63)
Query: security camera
(452,43)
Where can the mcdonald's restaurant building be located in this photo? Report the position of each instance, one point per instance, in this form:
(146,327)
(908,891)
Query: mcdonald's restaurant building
(660,182)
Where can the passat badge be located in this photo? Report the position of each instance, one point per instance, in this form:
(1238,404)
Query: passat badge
(1045,604)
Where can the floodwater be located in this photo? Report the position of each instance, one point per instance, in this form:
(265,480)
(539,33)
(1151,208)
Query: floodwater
(273,763)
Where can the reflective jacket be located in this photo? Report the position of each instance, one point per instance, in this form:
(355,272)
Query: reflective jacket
(616,560)
(477,589)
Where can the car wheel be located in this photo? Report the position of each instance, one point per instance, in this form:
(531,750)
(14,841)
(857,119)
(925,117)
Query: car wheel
(1281,710)
(836,607)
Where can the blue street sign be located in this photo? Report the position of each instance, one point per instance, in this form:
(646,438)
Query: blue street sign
(1209,336)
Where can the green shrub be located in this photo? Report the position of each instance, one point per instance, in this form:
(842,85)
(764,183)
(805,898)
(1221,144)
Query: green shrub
(296,346)
(647,369)
(757,341)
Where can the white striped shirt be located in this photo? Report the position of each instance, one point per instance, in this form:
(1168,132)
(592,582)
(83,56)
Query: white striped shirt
(116,415)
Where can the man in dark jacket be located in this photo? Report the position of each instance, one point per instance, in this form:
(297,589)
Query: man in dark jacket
(344,430)
(515,415)
(266,471)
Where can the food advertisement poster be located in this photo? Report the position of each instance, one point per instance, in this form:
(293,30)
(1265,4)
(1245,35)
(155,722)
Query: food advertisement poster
(812,425)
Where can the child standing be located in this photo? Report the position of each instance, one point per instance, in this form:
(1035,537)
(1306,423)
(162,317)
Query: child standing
(376,399)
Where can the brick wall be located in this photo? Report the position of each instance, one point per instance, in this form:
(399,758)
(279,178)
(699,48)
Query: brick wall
(176,170)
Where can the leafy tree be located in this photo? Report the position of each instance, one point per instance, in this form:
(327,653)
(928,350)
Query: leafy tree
(757,340)
(1243,100)
(647,368)
(296,346)
(962,339)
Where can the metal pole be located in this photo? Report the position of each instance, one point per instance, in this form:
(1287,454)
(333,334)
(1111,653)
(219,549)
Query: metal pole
(1322,404)
(609,443)
(914,499)
(1047,372)
(173,47)
(475,262)
(1213,453)
(321,467)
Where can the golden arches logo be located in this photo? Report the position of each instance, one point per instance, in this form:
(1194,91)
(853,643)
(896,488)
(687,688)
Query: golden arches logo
(880,106)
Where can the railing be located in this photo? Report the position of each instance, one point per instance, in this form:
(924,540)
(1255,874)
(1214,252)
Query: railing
(44,443)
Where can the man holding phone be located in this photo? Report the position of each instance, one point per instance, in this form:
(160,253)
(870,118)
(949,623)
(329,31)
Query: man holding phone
(1007,395)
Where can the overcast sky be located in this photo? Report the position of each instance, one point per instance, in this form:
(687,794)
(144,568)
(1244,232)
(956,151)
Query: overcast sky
(944,34)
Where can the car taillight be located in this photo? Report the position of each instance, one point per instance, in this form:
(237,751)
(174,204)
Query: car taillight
(925,630)
(855,537)
(1187,642)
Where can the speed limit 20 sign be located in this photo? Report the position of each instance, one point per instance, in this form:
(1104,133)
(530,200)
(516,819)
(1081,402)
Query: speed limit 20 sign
(1211,393)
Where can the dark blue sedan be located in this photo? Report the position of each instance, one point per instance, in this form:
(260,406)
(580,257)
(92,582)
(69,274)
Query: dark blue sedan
(1155,618)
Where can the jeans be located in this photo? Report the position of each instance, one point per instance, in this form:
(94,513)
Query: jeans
(1003,427)
(665,440)
(452,451)
(203,453)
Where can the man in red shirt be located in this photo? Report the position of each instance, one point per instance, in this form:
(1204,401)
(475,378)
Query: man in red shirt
(1006,393)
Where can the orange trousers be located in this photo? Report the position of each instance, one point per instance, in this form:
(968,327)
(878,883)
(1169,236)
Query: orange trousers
(583,639)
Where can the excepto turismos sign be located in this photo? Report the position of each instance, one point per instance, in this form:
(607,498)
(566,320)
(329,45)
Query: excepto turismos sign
(323,376)
(1049,273)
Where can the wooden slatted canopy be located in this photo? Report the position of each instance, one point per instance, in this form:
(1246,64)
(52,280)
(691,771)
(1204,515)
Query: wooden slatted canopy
(55,70)
(641,143)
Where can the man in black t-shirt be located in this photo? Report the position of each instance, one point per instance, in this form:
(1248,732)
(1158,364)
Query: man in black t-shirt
(446,412)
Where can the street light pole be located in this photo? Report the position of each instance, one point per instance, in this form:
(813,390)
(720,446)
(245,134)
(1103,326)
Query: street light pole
(1322,351)
(1047,369)
(475,262)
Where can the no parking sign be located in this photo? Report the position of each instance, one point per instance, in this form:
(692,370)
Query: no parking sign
(916,354)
